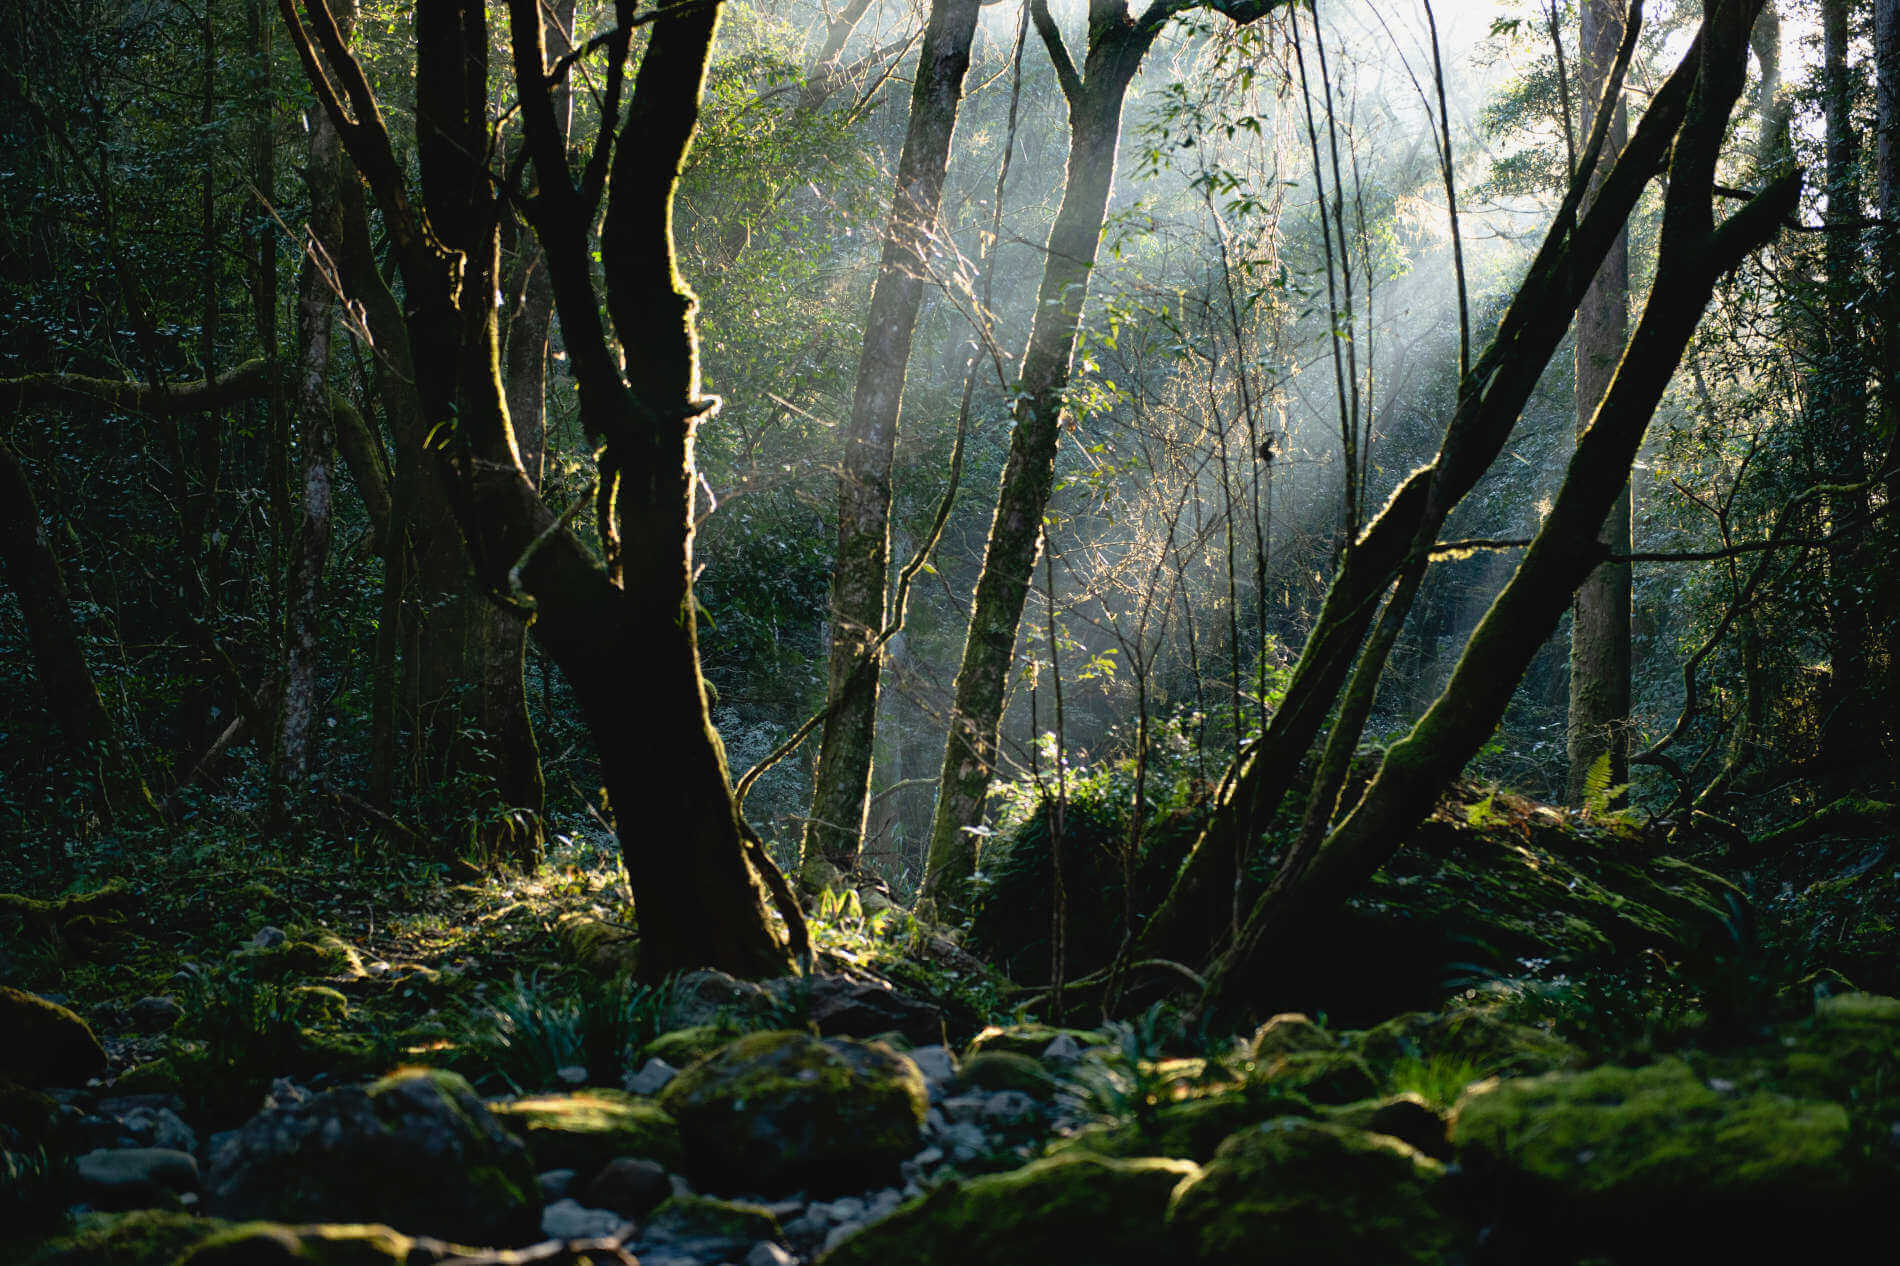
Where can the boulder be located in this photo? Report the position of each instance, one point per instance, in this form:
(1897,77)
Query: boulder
(1072,1208)
(1656,1158)
(1407,1118)
(1005,1070)
(632,1187)
(144,1238)
(842,1007)
(775,1111)
(1192,1129)
(708,997)
(682,1047)
(706,1229)
(45,1043)
(416,1150)
(1308,1193)
(1475,1037)
(585,1130)
(136,1177)
(1326,1077)
(1029,1039)
(1289,1034)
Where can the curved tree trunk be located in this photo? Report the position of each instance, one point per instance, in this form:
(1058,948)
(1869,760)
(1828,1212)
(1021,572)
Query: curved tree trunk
(860,571)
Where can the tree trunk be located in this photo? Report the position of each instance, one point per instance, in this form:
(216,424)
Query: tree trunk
(1887,156)
(32,569)
(860,571)
(1600,631)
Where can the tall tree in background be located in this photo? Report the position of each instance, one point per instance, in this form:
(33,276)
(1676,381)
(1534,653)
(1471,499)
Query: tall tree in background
(860,570)
(623,625)
(1887,166)
(1095,91)
(1600,630)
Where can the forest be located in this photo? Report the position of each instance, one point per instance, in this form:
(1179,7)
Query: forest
(760,632)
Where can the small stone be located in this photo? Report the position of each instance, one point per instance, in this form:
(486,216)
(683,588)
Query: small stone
(631,1186)
(555,1184)
(965,1107)
(839,1234)
(883,1202)
(966,1142)
(935,1063)
(160,1128)
(268,938)
(572,1074)
(847,1209)
(651,1079)
(136,1177)
(155,1013)
(766,1253)
(1009,1107)
(571,1220)
(679,1185)
(1062,1049)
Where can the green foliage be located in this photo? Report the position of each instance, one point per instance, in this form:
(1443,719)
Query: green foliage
(36,1189)
(1438,1079)
(242,1032)
(536,1028)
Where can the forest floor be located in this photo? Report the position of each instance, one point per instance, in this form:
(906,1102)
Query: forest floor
(1534,1038)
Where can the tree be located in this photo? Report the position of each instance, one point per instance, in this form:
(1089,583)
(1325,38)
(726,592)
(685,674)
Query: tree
(621,625)
(1600,631)
(1095,91)
(862,563)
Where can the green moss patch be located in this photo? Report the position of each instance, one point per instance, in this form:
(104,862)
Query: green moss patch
(585,1131)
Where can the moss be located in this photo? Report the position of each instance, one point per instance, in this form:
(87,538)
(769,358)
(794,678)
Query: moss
(687,1046)
(701,1226)
(157,1076)
(1005,1070)
(1849,1052)
(1314,1194)
(598,945)
(145,1238)
(1193,1129)
(1321,1076)
(1071,1208)
(26,1117)
(318,1003)
(1288,1034)
(1490,1045)
(45,1043)
(773,1109)
(1620,1151)
(325,954)
(1028,1039)
(268,1244)
(1405,1117)
(584,1131)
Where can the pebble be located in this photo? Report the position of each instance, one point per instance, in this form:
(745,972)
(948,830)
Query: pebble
(651,1079)
(766,1253)
(1010,1107)
(572,1074)
(268,937)
(555,1184)
(571,1220)
(936,1063)
(1062,1049)
(964,1107)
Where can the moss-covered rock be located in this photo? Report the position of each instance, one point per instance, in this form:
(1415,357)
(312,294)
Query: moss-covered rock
(1489,1045)
(1290,1033)
(415,1150)
(1005,1070)
(598,945)
(27,1117)
(155,1077)
(1849,1051)
(1405,1117)
(586,1130)
(1071,1208)
(145,1238)
(1028,1039)
(1314,1194)
(269,1244)
(1192,1129)
(45,1044)
(682,1047)
(1324,1077)
(1656,1155)
(708,1229)
(774,1111)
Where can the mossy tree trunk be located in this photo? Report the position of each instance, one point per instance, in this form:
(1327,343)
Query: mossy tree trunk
(861,565)
(1887,166)
(1095,92)
(623,630)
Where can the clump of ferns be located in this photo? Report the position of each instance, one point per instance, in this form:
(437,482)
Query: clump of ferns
(36,1189)
(243,1031)
(1127,1080)
(536,1032)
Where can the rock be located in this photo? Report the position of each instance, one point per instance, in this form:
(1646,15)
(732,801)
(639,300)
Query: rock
(27,1117)
(1289,1034)
(145,1238)
(268,1244)
(136,1177)
(708,1229)
(155,1013)
(1033,1040)
(965,1141)
(1004,1070)
(1192,1129)
(1061,1209)
(554,1184)
(570,1220)
(268,937)
(152,1125)
(1487,1045)
(45,1044)
(631,1186)
(1326,1077)
(1063,1050)
(708,997)
(684,1047)
(1307,1193)
(935,1062)
(1407,1118)
(416,1150)
(1640,1156)
(1849,1051)
(775,1111)
(604,947)
(766,1253)
(1008,1108)
(843,1007)
(651,1079)
(585,1130)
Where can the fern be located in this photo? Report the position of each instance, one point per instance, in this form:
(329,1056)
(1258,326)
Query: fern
(1598,793)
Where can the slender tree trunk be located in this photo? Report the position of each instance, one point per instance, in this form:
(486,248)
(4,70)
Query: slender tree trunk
(1600,631)
(32,570)
(1887,153)
(1009,557)
(316,303)
(860,572)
